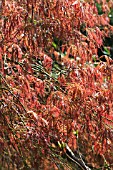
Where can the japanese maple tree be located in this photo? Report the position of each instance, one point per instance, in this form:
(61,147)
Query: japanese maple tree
(55,90)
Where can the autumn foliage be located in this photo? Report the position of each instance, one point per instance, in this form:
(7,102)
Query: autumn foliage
(54,89)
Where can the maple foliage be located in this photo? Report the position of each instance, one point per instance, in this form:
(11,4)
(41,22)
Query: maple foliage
(52,89)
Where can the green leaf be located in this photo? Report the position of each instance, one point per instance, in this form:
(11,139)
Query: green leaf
(54,45)
(62,145)
(35,22)
(110,15)
(95,64)
(106,51)
(59,144)
(94,58)
(75,133)
(99,8)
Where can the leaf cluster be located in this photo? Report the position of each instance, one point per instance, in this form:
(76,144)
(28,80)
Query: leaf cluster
(55,90)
